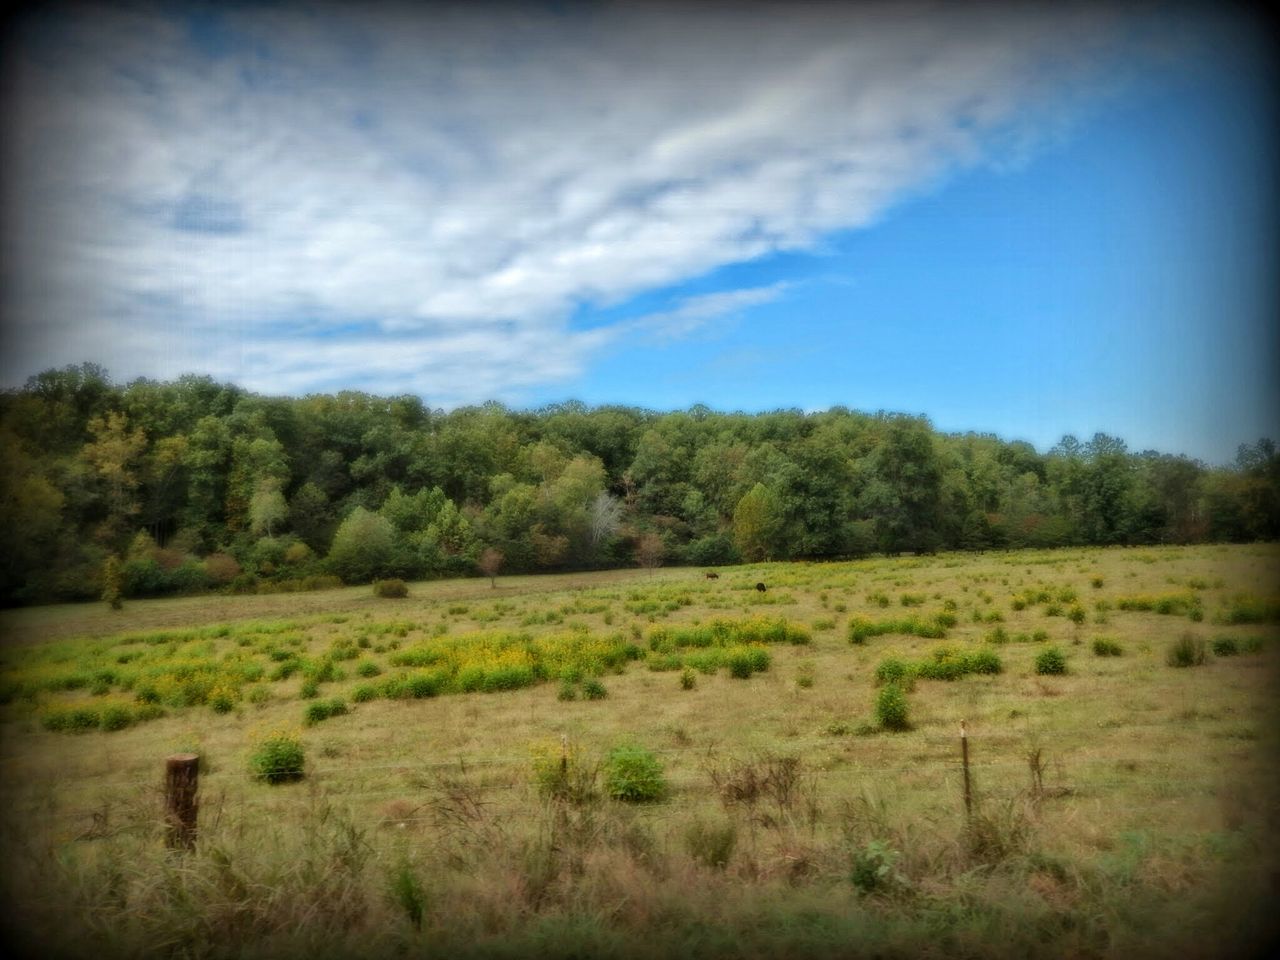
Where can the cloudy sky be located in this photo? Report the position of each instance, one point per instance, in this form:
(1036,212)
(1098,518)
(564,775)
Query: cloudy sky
(1027,219)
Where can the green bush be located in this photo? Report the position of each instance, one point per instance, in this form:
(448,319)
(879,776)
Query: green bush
(367,668)
(568,691)
(634,774)
(891,708)
(1187,651)
(593,689)
(687,679)
(323,710)
(364,692)
(1225,647)
(893,670)
(1051,661)
(278,758)
(874,868)
(115,717)
(394,589)
(1106,647)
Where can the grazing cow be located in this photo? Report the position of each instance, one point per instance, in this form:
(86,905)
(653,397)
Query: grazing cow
(760,587)
(713,576)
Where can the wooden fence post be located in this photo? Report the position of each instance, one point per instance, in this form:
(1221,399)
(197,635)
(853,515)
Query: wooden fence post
(181,781)
(964,759)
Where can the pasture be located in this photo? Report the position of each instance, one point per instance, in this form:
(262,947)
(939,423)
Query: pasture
(464,749)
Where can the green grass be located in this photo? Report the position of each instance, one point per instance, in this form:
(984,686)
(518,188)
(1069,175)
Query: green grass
(788,823)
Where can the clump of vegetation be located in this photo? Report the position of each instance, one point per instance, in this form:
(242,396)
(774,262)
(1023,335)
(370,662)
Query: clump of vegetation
(112,583)
(278,758)
(711,844)
(593,689)
(1243,608)
(948,663)
(634,774)
(323,710)
(561,773)
(934,628)
(1168,604)
(894,671)
(1187,651)
(875,868)
(687,679)
(394,589)
(891,708)
(1106,647)
(1225,647)
(1051,662)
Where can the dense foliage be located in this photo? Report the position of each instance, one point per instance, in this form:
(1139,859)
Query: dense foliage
(195,484)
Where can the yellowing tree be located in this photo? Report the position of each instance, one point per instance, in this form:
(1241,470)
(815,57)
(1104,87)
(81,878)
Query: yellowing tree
(113,454)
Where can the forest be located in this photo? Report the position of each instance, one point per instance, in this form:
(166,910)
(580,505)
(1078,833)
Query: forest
(190,485)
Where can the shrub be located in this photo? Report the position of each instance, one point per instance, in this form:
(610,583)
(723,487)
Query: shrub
(687,679)
(593,689)
(561,774)
(1076,615)
(394,589)
(1051,661)
(711,844)
(310,689)
(1225,647)
(893,670)
(874,868)
(1106,647)
(568,691)
(115,717)
(221,568)
(368,668)
(891,708)
(634,774)
(323,710)
(364,692)
(278,758)
(1187,651)
(984,661)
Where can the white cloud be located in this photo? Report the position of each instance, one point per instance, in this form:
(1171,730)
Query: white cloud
(420,201)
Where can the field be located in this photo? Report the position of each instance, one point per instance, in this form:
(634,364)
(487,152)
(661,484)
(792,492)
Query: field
(473,758)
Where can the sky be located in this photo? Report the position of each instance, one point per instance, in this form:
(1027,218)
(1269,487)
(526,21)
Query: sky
(1028,220)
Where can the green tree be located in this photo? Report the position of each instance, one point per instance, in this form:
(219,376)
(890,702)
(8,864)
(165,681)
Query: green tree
(364,548)
(757,523)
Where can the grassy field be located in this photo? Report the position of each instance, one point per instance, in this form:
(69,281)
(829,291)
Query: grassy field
(1123,808)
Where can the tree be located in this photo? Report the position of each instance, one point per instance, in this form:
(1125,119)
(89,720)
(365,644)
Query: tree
(757,523)
(267,509)
(364,547)
(649,551)
(604,516)
(490,563)
(113,455)
(311,517)
(112,583)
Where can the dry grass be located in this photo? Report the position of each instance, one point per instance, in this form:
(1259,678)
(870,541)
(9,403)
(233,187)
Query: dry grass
(1144,828)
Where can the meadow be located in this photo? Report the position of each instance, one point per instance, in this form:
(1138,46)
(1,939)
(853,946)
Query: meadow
(655,763)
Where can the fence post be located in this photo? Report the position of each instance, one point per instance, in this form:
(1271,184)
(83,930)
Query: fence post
(181,781)
(964,759)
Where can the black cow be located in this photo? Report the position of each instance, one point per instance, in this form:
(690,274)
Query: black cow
(760,587)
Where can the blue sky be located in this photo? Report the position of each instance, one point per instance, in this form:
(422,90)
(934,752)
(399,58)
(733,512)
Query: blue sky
(1021,222)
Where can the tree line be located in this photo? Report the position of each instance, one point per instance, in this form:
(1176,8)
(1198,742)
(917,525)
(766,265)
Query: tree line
(191,484)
